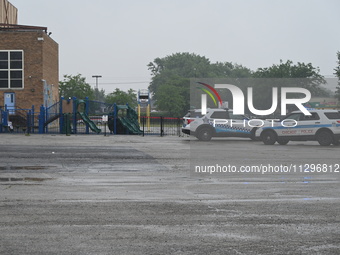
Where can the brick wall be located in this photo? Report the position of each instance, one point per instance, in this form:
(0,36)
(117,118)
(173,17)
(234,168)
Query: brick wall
(40,63)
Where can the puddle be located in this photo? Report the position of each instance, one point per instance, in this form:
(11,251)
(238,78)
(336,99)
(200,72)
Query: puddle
(30,168)
(15,179)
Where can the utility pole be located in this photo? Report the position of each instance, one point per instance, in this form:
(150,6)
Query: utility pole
(96,90)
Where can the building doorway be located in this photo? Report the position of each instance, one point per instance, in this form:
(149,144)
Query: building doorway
(10,102)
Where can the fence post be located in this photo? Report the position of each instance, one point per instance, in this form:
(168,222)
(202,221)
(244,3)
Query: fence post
(45,120)
(127,117)
(1,120)
(32,118)
(41,121)
(162,119)
(87,108)
(5,117)
(29,122)
(68,124)
(61,123)
(143,121)
(74,115)
(115,118)
(61,120)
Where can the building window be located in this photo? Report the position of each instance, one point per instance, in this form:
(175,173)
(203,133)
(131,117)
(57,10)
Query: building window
(11,69)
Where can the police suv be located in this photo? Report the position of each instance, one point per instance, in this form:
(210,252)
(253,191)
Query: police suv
(322,126)
(217,122)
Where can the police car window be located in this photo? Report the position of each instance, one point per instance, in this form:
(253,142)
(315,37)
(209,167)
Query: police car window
(314,116)
(219,115)
(194,114)
(236,117)
(333,115)
(294,116)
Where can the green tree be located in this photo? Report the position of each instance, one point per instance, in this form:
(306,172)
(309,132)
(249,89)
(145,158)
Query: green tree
(337,73)
(309,76)
(286,74)
(172,100)
(75,86)
(121,97)
(175,72)
(229,70)
(173,97)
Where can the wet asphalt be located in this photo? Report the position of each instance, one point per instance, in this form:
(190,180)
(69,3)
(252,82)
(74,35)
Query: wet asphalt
(141,195)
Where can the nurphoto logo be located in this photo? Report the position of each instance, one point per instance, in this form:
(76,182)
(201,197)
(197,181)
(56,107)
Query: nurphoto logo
(239,100)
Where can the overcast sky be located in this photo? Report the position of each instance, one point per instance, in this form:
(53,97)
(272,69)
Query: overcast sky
(117,39)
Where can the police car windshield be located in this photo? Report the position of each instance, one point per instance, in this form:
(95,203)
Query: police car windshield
(194,114)
(237,116)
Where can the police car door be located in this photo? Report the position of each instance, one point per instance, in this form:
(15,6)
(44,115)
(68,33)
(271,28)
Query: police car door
(289,126)
(219,119)
(308,124)
(240,125)
(298,124)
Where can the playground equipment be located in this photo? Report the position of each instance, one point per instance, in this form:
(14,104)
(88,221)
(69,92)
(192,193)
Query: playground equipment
(124,120)
(72,116)
(82,113)
(143,99)
(64,118)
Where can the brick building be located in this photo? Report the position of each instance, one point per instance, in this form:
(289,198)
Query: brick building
(29,64)
(28,67)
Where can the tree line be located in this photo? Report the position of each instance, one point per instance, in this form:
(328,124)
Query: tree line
(171,77)
(76,86)
(170,81)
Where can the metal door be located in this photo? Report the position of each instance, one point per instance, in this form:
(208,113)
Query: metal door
(10,102)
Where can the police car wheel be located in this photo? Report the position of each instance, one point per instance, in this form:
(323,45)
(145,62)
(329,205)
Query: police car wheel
(324,138)
(268,137)
(282,141)
(204,134)
(253,136)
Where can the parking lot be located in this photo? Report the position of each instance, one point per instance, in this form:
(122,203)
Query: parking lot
(100,194)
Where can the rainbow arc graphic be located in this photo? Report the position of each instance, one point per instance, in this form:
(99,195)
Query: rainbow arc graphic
(213,91)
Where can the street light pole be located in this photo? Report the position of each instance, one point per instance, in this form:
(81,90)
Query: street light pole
(97,76)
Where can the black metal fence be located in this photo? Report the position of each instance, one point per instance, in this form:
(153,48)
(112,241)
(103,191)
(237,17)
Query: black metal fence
(18,120)
(161,126)
(54,120)
(157,126)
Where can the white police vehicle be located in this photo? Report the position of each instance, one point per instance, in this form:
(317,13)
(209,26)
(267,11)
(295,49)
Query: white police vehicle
(217,123)
(322,126)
